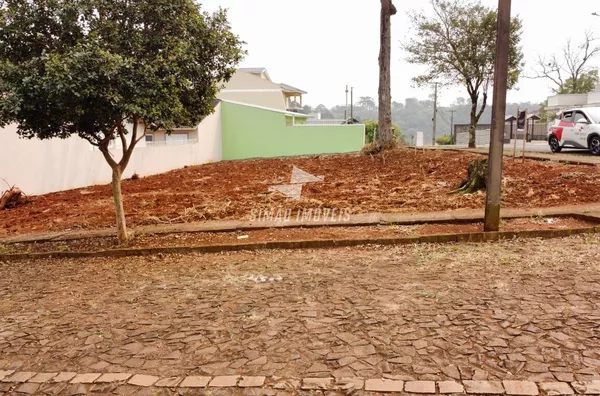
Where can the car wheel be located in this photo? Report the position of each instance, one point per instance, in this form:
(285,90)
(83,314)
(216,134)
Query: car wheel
(594,145)
(554,144)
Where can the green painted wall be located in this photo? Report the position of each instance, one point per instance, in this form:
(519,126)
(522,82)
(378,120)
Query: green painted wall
(250,132)
(296,120)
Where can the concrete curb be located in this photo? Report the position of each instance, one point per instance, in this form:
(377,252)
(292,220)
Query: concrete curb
(308,244)
(367,219)
(67,383)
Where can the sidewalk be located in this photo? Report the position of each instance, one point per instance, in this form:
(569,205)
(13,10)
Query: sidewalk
(517,310)
(354,220)
(563,158)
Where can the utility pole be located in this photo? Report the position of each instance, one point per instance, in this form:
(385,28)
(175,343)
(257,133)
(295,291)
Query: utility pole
(452,126)
(346,108)
(494,185)
(352,105)
(435,98)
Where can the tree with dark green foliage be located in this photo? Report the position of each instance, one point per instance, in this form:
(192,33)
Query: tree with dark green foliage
(110,70)
(458,44)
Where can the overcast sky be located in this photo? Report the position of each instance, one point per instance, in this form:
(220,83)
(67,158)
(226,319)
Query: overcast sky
(322,45)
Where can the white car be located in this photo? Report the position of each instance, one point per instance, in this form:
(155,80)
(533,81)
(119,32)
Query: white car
(576,128)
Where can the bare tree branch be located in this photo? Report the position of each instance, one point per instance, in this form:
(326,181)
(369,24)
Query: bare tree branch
(574,64)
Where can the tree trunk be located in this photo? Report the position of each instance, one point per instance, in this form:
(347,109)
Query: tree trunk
(118,200)
(385,97)
(473,124)
(477,175)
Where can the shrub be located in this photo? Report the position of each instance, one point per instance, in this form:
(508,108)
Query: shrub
(371,128)
(444,140)
(377,147)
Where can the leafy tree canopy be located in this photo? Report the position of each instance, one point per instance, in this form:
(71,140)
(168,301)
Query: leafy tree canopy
(584,83)
(89,67)
(458,45)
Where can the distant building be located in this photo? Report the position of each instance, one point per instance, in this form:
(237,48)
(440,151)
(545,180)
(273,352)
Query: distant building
(254,86)
(557,103)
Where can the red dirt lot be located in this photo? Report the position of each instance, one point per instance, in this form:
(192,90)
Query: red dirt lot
(401,181)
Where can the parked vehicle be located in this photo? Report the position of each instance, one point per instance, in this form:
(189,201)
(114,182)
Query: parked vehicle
(576,128)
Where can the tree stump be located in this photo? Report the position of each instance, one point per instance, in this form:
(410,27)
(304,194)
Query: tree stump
(10,198)
(477,174)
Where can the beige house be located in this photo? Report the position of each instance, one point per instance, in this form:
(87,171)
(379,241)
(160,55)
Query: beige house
(254,86)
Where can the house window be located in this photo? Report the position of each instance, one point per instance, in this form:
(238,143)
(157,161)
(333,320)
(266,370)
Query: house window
(177,138)
(149,140)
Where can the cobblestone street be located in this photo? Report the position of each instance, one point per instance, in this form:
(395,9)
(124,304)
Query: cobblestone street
(482,312)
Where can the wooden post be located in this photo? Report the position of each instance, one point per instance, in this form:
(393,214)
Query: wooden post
(494,183)
(516,134)
(525,135)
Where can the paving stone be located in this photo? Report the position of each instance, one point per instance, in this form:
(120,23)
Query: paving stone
(27,388)
(348,384)
(105,388)
(258,362)
(564,377)
(239,363)
(587,387)
(289,384)
(451,371)
(317,368)
(541,377)
(6,386)
(536,367)
(143,380)
(64,377)
(420,387)
(344,372)
(480,375)
(113,377)
(76,390)
(19,376)
(195,382)
(251,382)
(401,360)
(484,387)
(175,355)
(364,350)
(134,363)
(40,378)
(384,385)
(224,381)
(53,388)
(86,378)
(99,366)
(317,383)
(556,388)
(5,373)
(520,388)
(497,342)
(450,387)
(420,344)
(169,382)
(346,361)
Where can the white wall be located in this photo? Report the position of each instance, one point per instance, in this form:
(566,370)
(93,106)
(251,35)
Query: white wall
(39,167)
